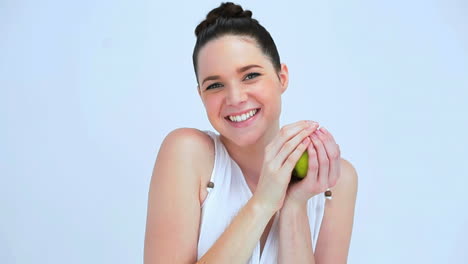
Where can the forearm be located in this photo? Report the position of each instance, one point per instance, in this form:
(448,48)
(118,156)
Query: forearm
(237,242)
(295,244)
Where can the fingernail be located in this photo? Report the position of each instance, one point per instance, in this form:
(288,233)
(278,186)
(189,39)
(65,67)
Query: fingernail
(305,141)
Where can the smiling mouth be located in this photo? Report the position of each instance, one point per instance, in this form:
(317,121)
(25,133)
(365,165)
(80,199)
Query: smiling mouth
(243,117)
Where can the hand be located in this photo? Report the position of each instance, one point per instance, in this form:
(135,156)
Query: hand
(281,155)
(323,171)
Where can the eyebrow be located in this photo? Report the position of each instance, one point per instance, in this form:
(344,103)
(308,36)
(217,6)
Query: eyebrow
(240,70)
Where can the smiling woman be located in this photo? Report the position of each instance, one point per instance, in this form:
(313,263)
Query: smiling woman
(246,80)
(235,201)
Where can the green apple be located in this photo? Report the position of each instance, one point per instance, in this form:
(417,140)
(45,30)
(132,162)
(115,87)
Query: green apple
(300,170)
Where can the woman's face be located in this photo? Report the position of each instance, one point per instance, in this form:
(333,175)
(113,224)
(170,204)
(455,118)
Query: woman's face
(240,88)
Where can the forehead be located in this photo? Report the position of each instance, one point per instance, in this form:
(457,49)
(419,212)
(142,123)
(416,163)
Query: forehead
(228,53)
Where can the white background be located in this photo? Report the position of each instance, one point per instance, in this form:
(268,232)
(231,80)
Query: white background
(90,89)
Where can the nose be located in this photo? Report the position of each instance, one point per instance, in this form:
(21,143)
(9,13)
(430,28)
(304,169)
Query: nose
(236,94)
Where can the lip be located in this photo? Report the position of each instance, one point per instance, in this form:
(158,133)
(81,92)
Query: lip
(240,113)
(247,122)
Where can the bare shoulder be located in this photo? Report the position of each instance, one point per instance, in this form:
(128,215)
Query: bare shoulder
(191,148)
(183,143)
(190,138)
(190,143)
(348,181)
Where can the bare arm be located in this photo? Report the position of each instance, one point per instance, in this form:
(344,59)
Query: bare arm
(337,224)
(295,244)
(173,201)
(238,241)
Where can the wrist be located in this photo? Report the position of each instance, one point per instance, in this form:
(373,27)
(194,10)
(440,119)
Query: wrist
(294,204)
(262,208)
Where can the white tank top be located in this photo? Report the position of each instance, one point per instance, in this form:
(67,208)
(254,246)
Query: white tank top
(229,194)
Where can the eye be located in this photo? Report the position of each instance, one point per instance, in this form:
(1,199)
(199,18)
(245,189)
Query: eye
(251,75)
(214,85)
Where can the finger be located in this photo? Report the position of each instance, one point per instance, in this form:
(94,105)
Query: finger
(293,158)
(312,171)
(322,161)
(334,155)
(309,184)
(290,145)
(327,133)
(286,133)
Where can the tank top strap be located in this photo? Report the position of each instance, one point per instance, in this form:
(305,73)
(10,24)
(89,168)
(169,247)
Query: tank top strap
(221,160)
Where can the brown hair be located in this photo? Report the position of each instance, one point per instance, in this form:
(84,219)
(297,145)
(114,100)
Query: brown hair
(232,19)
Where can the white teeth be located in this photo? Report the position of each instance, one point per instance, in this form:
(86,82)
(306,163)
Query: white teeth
(243,117)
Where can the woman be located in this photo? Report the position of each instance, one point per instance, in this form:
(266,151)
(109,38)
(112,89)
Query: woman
(229,197)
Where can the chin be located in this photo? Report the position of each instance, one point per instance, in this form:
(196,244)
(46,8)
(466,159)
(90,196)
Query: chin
(243,139)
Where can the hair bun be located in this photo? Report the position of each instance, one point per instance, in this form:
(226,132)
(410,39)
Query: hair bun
(225,10)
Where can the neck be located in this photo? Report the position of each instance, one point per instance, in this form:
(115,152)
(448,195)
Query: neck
(250,157)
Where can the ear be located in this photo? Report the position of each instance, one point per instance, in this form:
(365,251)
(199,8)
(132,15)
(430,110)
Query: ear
(284,77)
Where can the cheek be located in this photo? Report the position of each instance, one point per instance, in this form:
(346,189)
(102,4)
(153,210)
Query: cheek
(271,93)
(212,104)
(272,97)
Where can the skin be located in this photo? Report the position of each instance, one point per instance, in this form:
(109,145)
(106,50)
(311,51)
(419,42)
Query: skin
(266,155)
